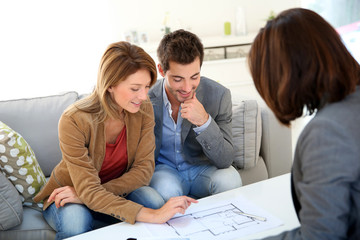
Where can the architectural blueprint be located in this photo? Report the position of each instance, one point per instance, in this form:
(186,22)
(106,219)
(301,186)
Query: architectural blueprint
(224,220)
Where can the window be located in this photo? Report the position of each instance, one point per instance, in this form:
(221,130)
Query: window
(344,15)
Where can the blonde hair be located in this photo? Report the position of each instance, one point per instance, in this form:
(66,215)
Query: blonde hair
(120,60)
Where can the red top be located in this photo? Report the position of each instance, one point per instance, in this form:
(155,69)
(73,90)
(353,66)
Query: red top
(116,159)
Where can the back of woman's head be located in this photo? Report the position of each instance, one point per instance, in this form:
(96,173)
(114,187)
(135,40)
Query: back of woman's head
(120,60)
(298,60)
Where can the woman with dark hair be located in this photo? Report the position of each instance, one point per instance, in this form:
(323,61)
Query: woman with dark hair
(299,63)
(107,143)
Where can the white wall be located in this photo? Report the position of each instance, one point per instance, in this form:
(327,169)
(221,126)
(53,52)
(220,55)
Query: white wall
(49,46)
(203,17)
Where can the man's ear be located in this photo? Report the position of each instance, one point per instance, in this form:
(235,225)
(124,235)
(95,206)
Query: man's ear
(161,71)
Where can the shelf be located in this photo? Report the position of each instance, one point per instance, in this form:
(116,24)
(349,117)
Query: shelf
(211,42)
(228,41)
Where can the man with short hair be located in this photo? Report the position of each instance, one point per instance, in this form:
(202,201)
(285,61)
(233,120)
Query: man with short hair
(193,114)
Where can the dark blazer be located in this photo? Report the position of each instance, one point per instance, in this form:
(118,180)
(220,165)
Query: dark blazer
(326,174)
(214,145)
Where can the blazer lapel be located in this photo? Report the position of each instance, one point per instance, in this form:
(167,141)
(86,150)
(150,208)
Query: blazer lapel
(158,110)
(185,128)
(157,101)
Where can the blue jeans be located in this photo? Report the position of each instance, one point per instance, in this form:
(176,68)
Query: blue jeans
(74,219)
(197,181)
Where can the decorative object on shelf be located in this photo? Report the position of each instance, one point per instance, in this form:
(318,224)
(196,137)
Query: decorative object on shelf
(128,36)
(144,38)
(227,28)
(131,36)
(166,23)
(271,16)
(240,22)
(135,38)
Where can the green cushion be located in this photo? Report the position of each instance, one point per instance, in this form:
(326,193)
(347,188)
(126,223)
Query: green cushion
(18,163)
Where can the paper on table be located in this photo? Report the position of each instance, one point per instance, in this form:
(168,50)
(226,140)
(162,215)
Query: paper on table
(221,220)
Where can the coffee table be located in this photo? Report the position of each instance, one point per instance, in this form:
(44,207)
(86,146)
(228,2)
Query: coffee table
(272,195)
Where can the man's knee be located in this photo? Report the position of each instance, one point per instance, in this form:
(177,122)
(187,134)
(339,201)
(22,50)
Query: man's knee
(213,181)
(148,197)
(167,189)
(224,180)
(167,184)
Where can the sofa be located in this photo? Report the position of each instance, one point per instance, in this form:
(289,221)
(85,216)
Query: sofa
(263,150)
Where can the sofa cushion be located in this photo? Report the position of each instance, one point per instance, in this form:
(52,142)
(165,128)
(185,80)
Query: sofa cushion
(18,163)
(36,119)
(11,211)
(246,129)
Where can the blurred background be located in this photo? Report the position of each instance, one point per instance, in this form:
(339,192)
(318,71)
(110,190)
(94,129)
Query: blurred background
(49,46)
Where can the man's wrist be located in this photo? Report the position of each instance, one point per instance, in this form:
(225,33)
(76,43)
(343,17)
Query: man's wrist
(200,129)
(207,118)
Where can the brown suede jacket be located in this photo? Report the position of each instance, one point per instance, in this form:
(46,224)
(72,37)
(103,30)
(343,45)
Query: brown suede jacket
(83,150)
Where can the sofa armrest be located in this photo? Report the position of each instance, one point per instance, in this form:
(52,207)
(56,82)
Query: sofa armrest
(276,147)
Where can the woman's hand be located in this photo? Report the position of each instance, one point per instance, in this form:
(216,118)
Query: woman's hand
(64,195)
(170,208)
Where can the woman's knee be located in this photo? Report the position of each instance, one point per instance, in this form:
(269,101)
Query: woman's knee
(70,220)
(77,220)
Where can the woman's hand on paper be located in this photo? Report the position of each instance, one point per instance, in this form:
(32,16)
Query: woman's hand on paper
(166,212)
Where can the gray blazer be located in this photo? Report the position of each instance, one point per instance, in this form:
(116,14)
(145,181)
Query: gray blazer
(326,174)
(214,145)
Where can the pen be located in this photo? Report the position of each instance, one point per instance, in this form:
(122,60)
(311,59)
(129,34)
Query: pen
(263,219)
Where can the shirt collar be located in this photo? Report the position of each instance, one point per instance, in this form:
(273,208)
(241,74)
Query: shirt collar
(167,103)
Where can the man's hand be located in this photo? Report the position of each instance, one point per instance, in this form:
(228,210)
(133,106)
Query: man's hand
(64,195)
(194,111)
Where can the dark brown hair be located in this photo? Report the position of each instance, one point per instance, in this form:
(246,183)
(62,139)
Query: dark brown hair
(298,60)
(181,47)
(120,60)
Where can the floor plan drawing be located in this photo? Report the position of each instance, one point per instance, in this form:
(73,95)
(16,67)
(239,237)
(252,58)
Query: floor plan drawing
(225,220)
(215,222)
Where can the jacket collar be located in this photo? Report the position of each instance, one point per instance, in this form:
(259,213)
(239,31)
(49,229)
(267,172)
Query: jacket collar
(156,97)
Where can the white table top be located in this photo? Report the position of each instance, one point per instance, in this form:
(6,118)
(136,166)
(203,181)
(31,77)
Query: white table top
(272,195)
